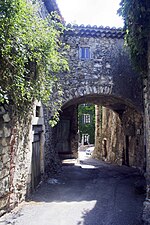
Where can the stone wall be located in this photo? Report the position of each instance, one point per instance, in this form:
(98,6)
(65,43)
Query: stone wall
(16,138)
(133,129)
(120,138)
(51,159)
(109,136)
(5,159)
(146,214)
(21,156)
(14,159)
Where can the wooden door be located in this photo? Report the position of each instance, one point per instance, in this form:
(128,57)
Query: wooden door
(36,159)
(63,137)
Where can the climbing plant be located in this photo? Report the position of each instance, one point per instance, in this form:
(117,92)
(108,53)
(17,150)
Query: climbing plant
(31,55)
(136,15)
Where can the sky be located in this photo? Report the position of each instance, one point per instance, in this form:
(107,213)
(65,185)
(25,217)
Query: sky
(92,12)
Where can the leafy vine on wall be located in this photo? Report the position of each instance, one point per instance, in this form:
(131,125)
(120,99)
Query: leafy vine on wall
(31,55)
(136,15)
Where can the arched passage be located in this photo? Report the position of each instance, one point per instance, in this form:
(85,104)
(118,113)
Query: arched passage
(127,149)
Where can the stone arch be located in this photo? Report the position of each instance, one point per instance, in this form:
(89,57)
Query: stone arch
(108,70)
(106,78)
(131,122)
(108,100)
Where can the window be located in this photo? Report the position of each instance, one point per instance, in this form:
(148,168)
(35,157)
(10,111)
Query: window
(38,111)
(86,118)
(84,53)
(85,139)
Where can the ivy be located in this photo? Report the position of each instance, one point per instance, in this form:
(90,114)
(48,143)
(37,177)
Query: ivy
(31,55)
(136,15)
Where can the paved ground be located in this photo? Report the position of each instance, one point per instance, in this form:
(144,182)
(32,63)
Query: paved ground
(90,193)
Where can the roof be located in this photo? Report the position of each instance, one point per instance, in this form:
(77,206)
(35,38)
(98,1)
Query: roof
(94,31)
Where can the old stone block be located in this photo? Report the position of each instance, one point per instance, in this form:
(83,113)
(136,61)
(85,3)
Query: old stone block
(146,213)
(4,202)
(4,173)
(108,66)
(6,158)
(7,132)
(4,150)
(4,142)
(6,118)
(4,186)
(2,110)
(1,149)
(1,133)
(1,165)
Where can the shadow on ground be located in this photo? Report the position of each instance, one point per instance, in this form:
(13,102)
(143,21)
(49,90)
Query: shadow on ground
(108,194)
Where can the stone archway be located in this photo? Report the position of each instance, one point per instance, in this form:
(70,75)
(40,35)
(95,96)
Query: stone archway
(105,77)
(130,131)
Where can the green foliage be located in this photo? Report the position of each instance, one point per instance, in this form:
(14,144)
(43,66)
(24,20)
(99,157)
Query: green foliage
(136,15)
(87,128)
(31,55)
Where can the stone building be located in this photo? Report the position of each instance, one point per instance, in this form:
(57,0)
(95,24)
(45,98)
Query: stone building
(86,124)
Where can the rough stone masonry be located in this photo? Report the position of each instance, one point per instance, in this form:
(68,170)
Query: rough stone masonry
(105,77)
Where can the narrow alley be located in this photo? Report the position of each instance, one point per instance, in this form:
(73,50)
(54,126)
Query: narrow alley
(89,192)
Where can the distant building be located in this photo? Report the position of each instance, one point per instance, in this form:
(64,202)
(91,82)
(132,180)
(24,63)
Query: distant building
(86,122)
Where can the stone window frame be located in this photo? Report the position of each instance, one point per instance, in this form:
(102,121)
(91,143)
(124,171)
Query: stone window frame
(87,55)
